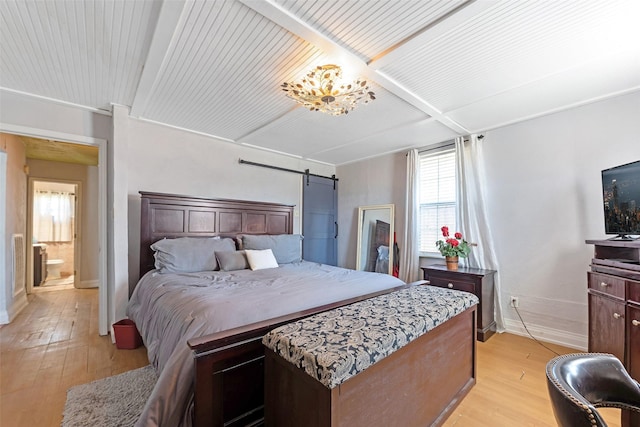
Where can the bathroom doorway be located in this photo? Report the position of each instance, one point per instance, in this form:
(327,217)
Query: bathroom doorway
(54,224)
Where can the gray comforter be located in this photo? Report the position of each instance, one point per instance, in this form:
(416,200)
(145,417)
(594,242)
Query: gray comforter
(169,309)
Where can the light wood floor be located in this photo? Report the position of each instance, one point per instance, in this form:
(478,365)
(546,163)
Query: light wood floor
(511,388)
(54,344)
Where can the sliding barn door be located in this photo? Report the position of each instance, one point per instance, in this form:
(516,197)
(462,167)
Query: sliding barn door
(319,220)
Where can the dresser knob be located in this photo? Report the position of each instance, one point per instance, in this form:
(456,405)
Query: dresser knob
(635,322)
(603,284)
(616,316)
(450,286)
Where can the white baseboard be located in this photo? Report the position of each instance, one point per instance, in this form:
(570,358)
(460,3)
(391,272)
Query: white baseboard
(19,303)
(85,284)
(555,336)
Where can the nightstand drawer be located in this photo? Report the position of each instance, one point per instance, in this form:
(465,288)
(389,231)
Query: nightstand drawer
(474,280)
(606,284)
(453,284)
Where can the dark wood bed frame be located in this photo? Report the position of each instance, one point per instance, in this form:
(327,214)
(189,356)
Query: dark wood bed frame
(229,365)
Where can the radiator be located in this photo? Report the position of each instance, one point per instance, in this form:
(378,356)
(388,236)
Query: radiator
(19,264)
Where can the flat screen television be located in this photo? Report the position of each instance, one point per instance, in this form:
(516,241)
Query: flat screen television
(621,194)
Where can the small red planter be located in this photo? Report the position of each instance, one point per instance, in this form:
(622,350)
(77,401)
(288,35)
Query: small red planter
(127,335)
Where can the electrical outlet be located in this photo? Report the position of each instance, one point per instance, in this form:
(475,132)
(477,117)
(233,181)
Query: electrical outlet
(515,302)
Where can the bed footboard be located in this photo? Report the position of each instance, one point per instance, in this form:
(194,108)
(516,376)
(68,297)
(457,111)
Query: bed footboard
(418,385)
(235,373)
(404,359)
(229,365)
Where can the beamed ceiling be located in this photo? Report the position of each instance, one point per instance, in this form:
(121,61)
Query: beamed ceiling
(439,69)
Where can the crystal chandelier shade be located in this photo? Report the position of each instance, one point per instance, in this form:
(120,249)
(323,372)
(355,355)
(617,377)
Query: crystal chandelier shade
(321,90)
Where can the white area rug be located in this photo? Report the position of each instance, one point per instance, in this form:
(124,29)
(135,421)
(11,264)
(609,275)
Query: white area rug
(110,402)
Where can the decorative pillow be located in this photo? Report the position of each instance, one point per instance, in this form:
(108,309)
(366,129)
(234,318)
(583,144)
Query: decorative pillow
(189,254)
(287,248)
(230,261)
(261,259)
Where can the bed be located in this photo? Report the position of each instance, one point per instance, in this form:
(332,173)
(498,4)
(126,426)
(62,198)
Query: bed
(216,377)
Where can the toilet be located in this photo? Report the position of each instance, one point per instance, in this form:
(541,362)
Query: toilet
(53,268)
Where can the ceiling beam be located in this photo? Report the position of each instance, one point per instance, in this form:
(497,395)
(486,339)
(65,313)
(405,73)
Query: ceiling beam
(293,24)
(285,19)
(435,29)
(160,46)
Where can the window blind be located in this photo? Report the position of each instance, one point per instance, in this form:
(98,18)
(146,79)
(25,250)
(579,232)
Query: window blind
(437,197)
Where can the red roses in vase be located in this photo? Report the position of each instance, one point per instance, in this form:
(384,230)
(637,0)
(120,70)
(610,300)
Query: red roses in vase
(453,246)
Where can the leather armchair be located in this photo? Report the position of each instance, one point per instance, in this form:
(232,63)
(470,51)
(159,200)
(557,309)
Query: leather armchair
(579,383)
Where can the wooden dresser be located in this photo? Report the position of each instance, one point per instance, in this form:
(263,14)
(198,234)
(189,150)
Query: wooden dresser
(614,305)
(474,280)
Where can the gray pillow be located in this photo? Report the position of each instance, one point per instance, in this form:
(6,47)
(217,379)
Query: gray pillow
(230,261)
(189,254)
(287,248)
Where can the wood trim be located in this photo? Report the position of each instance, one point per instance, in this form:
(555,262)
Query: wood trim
(237,335)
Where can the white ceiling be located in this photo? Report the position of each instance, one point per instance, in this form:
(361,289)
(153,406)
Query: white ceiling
(439,68)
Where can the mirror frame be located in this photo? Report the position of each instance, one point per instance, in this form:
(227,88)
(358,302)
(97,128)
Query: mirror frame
(361,213)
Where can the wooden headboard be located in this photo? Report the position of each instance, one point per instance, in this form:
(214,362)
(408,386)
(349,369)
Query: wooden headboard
(171,216)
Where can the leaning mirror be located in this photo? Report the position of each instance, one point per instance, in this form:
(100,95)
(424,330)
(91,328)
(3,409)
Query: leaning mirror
(375,238)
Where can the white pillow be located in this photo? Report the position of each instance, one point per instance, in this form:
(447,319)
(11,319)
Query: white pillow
(261,259)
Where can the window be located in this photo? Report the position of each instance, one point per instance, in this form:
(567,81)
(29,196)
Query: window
(437,197)
(53,216)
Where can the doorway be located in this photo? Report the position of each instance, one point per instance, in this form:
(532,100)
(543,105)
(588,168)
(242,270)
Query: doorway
(100,195)
(54,229)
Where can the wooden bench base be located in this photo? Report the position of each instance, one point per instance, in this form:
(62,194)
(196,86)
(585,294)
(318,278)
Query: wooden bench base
(418,385)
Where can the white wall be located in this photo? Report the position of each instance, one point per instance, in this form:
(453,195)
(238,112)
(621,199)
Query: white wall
(167,160)
(15,203)
(26,115)
(377,181)
(544,193)
(22,110)
(148,157)
(545,199)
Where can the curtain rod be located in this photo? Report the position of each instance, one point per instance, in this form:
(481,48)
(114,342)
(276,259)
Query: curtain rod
(305,172)
(445,145)
(439,147)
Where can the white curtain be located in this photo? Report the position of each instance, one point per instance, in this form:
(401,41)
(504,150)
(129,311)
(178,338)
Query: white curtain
(410,250)
(472,213)
(53,216)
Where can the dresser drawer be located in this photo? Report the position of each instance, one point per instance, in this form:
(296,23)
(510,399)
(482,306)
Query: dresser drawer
(633,291)
(459,285)
(609,285)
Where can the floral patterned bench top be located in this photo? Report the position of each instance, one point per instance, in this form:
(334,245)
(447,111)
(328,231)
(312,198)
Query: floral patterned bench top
(335,345)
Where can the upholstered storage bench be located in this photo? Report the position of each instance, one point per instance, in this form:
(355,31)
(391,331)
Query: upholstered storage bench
(402,359)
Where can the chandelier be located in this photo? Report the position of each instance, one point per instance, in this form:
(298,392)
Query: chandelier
(321,90)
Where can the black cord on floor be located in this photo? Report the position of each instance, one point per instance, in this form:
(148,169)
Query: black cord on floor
(532,337)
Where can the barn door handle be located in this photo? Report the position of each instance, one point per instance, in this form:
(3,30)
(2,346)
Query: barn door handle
(336,225)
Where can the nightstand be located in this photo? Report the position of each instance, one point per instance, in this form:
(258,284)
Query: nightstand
(474,280)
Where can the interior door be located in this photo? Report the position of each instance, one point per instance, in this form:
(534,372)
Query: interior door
(319,220)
